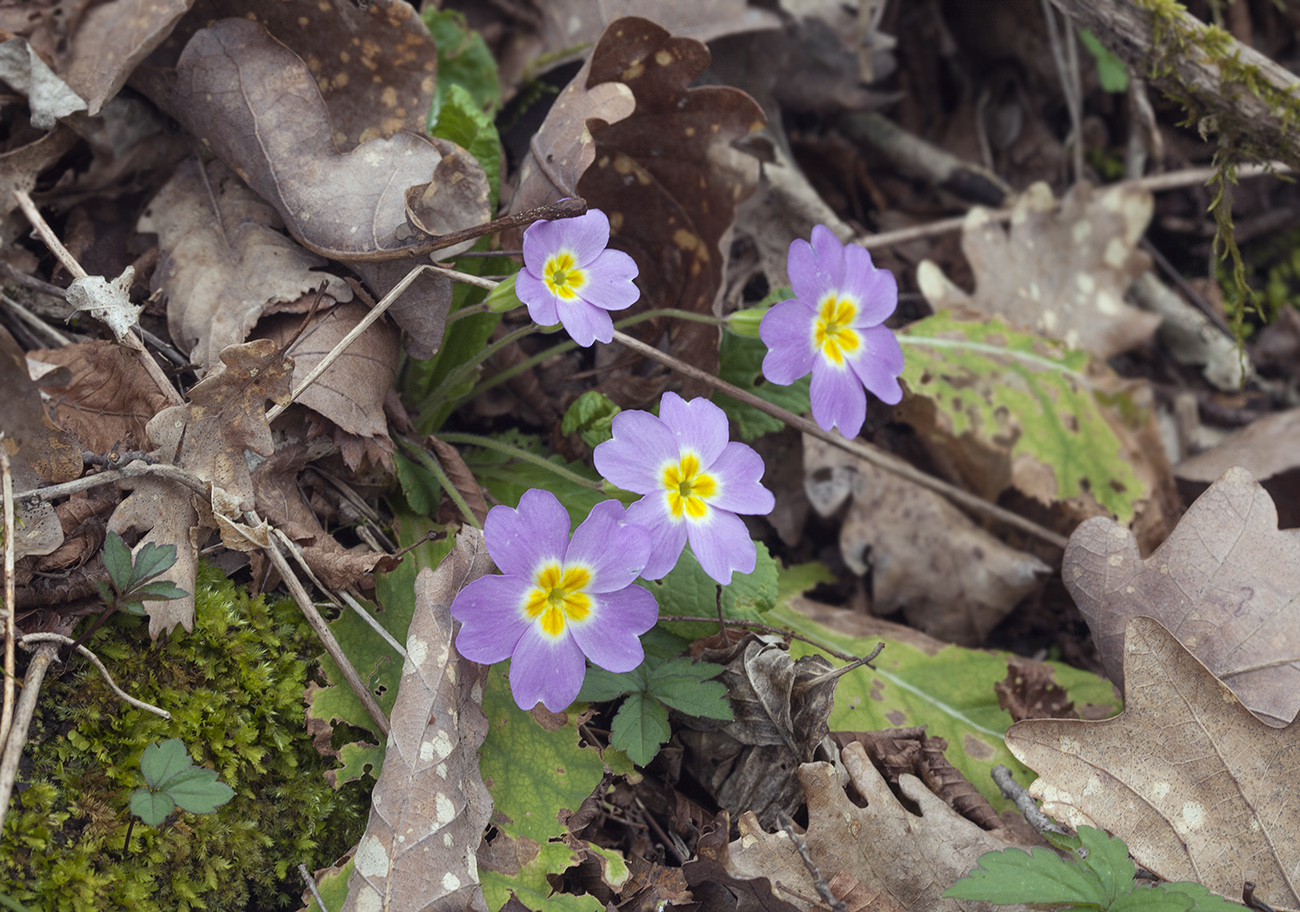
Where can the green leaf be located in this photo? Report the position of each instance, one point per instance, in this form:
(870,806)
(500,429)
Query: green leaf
(161,762)
(532,887)
(1111,72)
(600,685)
(1108,859)
(639,728)
(691,695)
(1014,876)
(151,807)
(796,580)
(591,415)
(117,561)
(197,790)
(740,362)
(994,384)
(687,589)
(161,589)
(503,297)
(950,691)
(464,60)
(1145,899)
(1202,899)
(151,560)
(333,889)
(461,120)
(419,486)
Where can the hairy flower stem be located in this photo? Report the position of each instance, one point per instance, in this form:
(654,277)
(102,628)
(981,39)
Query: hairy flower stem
(525,456)
(853,447)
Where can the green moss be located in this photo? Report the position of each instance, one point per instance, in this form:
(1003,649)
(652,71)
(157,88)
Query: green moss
(235,688)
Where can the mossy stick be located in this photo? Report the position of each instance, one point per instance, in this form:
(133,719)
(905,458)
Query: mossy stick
(13,745)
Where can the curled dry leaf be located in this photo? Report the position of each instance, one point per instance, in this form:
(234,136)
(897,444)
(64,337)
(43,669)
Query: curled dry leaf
(109,302)
(1062,273)
(1198,787)
(430,805)
(950,578)
(222,270)
(1226,582)
(881,848)
(1265,448)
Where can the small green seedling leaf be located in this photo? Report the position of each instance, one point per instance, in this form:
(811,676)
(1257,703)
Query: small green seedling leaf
(639,727)
(117,561)
(151,560)
(198,791)
(161,762)
(591,416)
(1111,72)
(151,807)
(601,685)
(172,780)
(684,686)
(160,589)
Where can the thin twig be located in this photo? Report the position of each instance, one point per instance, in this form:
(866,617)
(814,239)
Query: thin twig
(133,469)
(36,323)
(464,277)
(327,638)
(374,624)
(779,631)
(823,888)
(103,670)
(7,481)
(13,745)
(311,885)
(856,448)
(1014,791)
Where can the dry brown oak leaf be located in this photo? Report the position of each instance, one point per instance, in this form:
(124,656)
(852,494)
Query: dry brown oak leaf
(883,848)
(1197,786)
(1226,583)
(163,513)
(430,806)
(949,577)
(1062,273)
(257,106)
(224,261)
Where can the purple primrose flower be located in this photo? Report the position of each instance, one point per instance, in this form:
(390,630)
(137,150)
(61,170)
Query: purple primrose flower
(695,483)
(557,600)
(832,327)
(570,278)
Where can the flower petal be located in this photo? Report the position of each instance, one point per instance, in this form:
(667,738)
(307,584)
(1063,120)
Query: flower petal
(786,330)
(667,536)
(609,636)
(586,236)
(491,619)
(585,323)
(520,540)
(634,458)
(830,256)
(608,281)
(699,425)
(876,290)
(807,279)
(722,544)
(879,362)
(738,471)
(540,301)
(546,669)
(614,551)
(838,399)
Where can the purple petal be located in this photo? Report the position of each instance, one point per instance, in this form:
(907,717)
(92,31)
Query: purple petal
(585,237)
(721,544)
(667,535)
(805,278)
(521,540)
(610,634)
(490,611)
(585,323)
(546,669)
(738,470)
(539,300)
(786,330)
(636,456)
(876,290)
(700,425)
(830,255)
(879,362)
(838,399)
(614,551)
(609,281)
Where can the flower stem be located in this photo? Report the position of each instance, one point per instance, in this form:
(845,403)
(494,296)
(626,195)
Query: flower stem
(463,370)
(857,448)
(522,454)
(422,456)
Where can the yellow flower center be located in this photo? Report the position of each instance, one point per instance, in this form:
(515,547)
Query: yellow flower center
(558,598)
(832,333)
(562,276)
(687,487)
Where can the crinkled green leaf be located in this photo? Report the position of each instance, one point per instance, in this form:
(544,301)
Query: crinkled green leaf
(1144,899)
(740,363)
(1108,859)
(151,807)
(117,561)
(464,60)
(462,121)
(1000,385)
(600,685)
(419,486)
(640,726)
(1015,876)
(688,590)
(950,691)
(1202,899)
(691,695)
(591,415)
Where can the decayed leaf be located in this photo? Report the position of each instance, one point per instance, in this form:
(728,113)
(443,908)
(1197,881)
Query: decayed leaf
(882,847)
(1265,448)
(109,302)
(950,578)
(1198,787)
(222,270)
(430,806)
(1226,583)
(19,169)
(781,707)
(108,398)
(1063,274)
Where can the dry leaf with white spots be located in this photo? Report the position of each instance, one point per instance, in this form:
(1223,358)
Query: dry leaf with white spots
(1063,273)
(430,806)
(1198,787)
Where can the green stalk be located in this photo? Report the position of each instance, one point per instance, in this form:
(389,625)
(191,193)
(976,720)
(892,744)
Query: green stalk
(423,457)
(522,454)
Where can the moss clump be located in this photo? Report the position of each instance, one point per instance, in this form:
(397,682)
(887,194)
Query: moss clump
(234,688)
